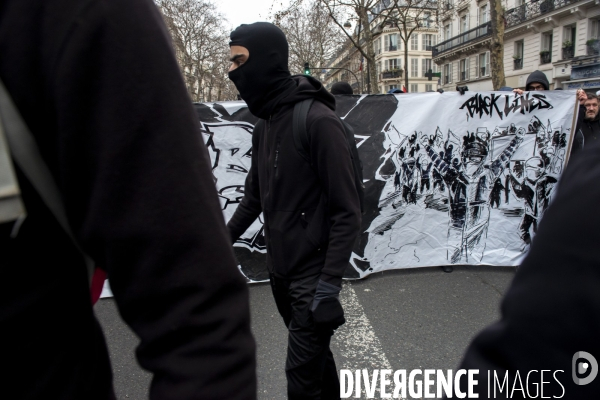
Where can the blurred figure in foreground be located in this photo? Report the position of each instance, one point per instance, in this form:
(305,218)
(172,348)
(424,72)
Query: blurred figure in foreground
(99,88)
(551,311)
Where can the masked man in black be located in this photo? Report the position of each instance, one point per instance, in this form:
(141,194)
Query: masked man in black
(311,210)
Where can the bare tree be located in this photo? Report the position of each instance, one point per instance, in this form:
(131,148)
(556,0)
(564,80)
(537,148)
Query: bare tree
(361,38)
(497,44)
(199,40)
(407,16)
(312,36)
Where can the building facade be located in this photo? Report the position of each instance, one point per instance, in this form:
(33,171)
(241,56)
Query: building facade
(390,61)
(558,37)
(391,64)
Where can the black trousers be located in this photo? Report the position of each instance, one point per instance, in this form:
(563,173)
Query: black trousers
(310,369)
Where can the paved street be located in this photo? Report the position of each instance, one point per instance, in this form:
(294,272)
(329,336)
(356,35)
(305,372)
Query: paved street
(407,319)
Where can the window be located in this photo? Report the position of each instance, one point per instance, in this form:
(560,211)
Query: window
(414,67)
(392,64)
(519,49)
(593,44)
(569,35)
(547,41)
(391,43)
(518,54)
(377,45)
(484,64)
(426,20)
(414,88)
(428,42)
(464,69)
(414,42)
(428,87)
(484,14)
(447,76)
(568,44)
(464,23)
(427,65)
(447,31)
(378,66)
(594,28)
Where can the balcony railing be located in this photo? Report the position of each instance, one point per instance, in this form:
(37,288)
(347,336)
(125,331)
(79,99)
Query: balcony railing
(545,57)
(593,49)
(518,63)
(391,74)
(568,52)
(466,37)
(533,9)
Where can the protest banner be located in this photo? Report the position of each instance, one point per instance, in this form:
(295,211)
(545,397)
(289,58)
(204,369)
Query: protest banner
(450,178)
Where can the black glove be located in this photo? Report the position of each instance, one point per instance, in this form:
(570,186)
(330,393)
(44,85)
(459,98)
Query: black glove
(326,308)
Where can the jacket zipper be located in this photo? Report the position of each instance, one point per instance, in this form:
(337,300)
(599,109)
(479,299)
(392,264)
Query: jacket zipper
(276,159)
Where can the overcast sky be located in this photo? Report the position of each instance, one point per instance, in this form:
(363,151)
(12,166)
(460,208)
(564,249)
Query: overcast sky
(240,12)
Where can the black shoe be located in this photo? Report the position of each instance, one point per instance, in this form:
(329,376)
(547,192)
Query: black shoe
(447,268)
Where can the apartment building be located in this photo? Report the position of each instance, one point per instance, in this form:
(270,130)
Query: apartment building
(559,37)
(390,58)
(390,54)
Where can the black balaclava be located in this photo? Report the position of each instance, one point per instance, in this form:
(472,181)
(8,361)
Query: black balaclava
(264,80)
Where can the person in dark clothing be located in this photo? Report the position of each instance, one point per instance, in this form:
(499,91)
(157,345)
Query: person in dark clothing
(311,210)
(341,88)
(549,313)
(588,124)
(537,80)
(98,85)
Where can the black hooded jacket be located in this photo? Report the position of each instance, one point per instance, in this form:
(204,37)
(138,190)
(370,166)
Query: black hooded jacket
(312,213)
(539,77)
(590,130)
(99,87)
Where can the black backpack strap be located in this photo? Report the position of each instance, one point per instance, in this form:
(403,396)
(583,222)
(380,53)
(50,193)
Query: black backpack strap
(299,128)
(25,153)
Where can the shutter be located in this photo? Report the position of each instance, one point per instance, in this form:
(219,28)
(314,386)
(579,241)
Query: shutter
(476,66)
(450,74)
(487,63)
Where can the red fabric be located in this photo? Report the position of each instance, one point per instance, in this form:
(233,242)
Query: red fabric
(97,284)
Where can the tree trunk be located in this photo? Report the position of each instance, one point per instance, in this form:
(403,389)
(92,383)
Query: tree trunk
(372,86)
(405,63)
(497,45)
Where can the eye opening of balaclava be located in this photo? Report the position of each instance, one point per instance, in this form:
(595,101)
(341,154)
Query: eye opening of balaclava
(264,79)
